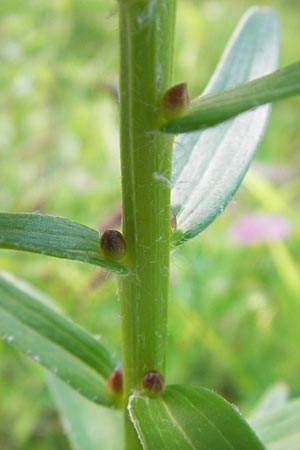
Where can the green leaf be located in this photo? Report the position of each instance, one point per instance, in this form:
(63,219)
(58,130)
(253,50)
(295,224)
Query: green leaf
(29,322)
(278,428)
(275,397)
(212,109)
(54,236)
(209,165)
(88,426)
(186,418)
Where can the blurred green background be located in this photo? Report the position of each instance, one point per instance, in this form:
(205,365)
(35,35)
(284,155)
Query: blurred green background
(234,310)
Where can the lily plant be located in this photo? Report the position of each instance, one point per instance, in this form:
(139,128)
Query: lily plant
(181,163)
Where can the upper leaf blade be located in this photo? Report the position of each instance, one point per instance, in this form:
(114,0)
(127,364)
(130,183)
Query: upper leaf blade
(189,418)
(209,165)
(29,322)
(54,236)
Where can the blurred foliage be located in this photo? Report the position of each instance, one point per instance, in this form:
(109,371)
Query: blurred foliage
(233,310)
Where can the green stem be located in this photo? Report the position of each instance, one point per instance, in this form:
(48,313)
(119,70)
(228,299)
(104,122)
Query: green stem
(146,38)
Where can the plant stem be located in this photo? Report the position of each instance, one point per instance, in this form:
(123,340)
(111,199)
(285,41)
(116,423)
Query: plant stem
(146,39)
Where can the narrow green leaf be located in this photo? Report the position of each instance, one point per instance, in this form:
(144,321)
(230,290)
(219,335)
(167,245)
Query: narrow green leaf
(212,109)
(29,322)
(278,428)
(88,426)
(189,418)
(209,165)
(54,236)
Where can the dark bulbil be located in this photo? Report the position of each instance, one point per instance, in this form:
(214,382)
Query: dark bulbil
(175,101)
(113,244)
(173,220)
(115,381)
(153,382)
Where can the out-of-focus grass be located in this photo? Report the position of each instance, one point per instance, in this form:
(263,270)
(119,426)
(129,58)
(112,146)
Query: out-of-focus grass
(233,310)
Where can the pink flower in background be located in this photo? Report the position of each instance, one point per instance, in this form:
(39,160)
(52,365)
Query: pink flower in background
(260,227)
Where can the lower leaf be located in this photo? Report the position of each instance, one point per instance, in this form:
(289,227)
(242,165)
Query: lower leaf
(276,420)
(190,418)
(88,426)
(54,236)
(29,321)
